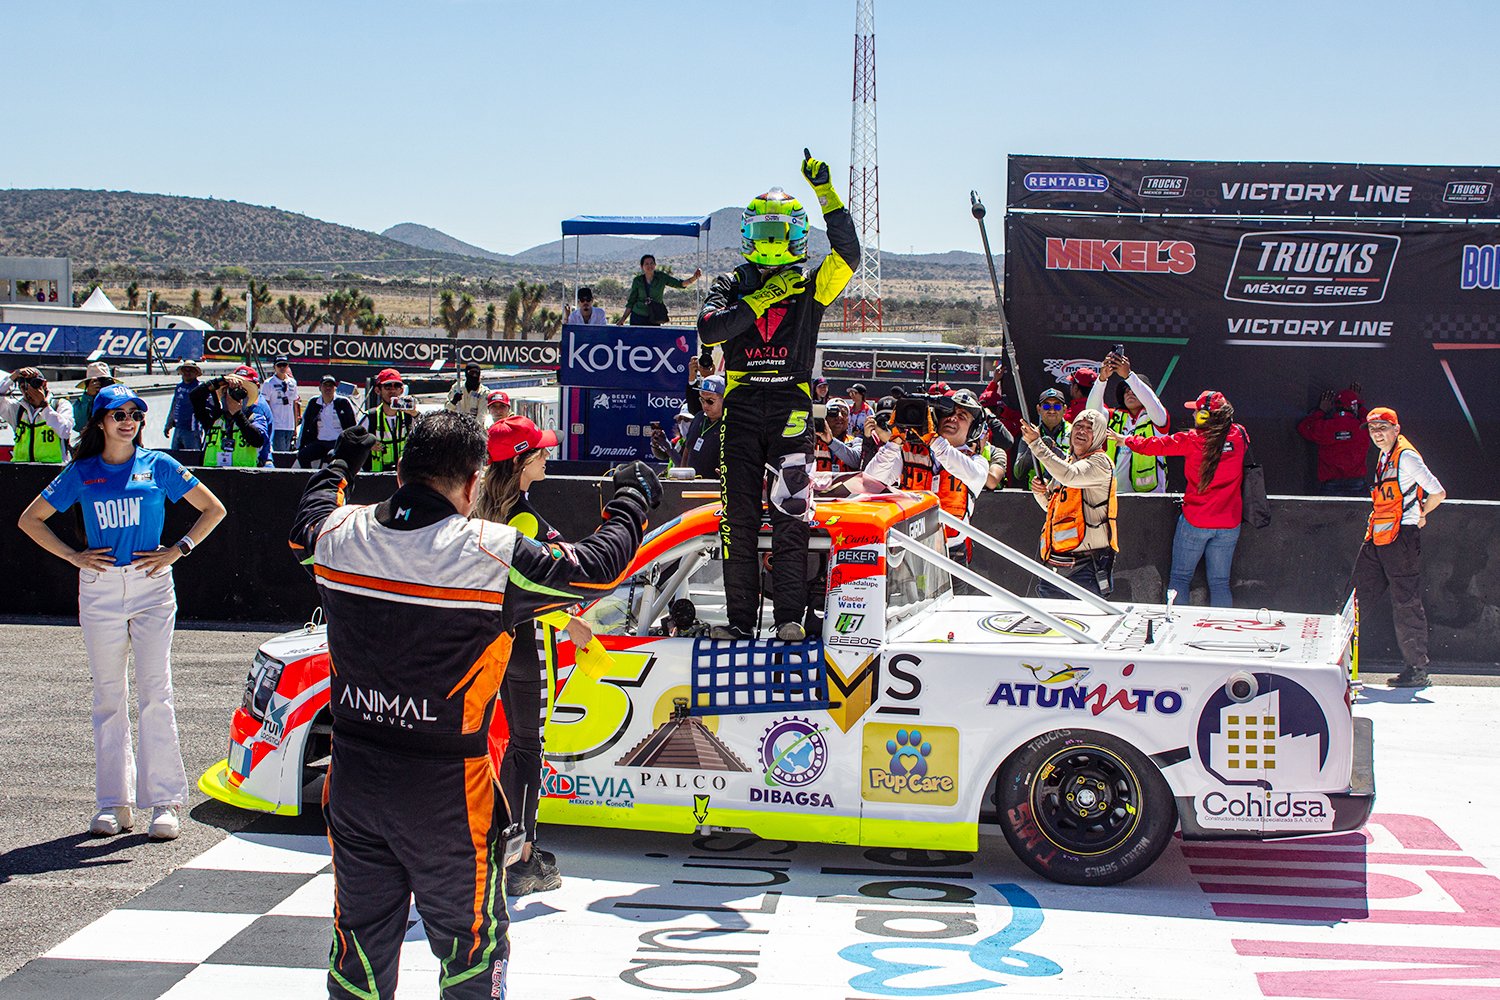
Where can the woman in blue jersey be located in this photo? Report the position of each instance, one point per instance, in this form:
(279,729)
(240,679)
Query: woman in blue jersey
(518,460)
(126,602)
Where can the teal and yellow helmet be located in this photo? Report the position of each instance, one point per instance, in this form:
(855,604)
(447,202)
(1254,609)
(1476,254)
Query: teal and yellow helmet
(773,230)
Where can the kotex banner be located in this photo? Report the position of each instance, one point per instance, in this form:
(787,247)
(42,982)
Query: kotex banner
(1205,187)
(24,343)
(614,425)
(634,357)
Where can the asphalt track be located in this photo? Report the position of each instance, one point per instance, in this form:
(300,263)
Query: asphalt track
(1423,890)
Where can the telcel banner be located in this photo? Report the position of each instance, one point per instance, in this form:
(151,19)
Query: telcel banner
(627,357)
(27,343)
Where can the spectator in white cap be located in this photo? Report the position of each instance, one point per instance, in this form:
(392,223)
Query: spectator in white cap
(281,396)
(326,417)
(182,422)
(95,378)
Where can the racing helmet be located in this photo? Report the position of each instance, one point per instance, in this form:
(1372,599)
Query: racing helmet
(773,230)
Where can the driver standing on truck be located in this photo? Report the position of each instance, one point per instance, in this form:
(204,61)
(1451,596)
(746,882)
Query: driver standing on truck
(421,603)
(766,313)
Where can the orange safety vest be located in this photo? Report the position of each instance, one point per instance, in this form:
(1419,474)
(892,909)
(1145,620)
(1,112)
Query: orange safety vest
(1067,520)
(823,459)
(1388,499)
(916,465)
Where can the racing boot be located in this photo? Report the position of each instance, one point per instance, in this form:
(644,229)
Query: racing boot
(532,875)
(727,633)
(791,632)
(112,820)
(1410,677)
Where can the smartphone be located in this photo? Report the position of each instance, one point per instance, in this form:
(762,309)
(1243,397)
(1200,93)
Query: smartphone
(1118,350)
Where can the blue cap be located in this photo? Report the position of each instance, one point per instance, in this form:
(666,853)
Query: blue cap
(713,385)
(112,397)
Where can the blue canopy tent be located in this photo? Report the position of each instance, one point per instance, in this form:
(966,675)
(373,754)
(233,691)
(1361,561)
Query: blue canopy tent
(631,225)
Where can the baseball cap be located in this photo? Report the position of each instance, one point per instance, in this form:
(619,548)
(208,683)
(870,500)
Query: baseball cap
(97,369)
(820,380)
(1384,413)
(517,435)
(281,360)
(328,380)
(112,397)
(474,365)
(1051,394)
(859,387)
(387,376)
(965,399)
(1208,400)
(939,389)
(247,373)
(1084,378)
(497,396)
(838,403)
(1347,399)
(713,385)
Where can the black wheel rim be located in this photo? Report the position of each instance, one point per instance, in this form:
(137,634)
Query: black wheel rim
(1086,800)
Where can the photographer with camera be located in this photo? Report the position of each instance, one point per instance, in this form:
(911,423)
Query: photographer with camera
(389,420)
(1136,411)
(833,449)
(237,421)
(42,424)
(766,313)
(700,445)
(1079,539)
(419,600)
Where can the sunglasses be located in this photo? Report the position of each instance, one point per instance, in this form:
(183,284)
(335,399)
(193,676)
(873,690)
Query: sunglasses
(124,416)
(1053,406)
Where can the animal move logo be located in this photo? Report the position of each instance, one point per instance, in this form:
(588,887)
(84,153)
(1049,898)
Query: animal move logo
(1065,674)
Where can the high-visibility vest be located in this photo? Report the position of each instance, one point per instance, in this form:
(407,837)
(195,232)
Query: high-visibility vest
(1144,469)
(1068,519)
(916,464)
(954,495)
(1389,502)
(35,441)
(225,446)
(824,460)
(390,438)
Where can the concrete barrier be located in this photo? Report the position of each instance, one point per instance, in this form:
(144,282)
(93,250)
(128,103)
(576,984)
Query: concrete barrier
(1302,562)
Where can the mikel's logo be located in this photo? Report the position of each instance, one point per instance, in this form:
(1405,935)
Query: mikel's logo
(1312,268)
(1131,256)
(1163,186)
(1274,734)
(1468,192)
(1065,181)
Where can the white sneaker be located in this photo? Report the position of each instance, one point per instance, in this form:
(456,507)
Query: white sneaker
(164,823)
(111,821)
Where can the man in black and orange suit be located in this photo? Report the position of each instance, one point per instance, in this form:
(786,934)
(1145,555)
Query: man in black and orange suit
(420,602)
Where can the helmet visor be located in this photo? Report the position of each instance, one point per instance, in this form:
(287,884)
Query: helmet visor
(765,228)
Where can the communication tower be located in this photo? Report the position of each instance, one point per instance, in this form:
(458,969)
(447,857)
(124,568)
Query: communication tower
(862,296)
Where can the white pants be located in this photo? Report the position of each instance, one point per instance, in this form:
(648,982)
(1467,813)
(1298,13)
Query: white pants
(122,609)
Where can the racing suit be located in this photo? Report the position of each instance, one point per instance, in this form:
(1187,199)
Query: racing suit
(768,362)
(421,602)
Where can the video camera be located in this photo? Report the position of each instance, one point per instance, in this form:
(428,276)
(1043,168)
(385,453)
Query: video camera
(913,412)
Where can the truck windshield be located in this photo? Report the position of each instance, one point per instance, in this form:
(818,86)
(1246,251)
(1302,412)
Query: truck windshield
(911,584)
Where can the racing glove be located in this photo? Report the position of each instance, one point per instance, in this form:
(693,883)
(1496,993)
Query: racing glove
(816,172)
(637,478)
(778,287)
(353,448)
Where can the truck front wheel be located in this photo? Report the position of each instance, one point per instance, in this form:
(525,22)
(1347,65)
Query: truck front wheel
(1084,808)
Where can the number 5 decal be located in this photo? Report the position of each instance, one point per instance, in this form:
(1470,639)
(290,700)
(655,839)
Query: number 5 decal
(796,424)
(593,710)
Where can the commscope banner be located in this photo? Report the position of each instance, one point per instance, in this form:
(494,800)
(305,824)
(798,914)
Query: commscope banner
(1197,187)
(401,353)
(1272,312)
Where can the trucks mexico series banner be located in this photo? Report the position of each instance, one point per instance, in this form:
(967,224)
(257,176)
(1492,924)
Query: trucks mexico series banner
(1272,312)
(1196,187)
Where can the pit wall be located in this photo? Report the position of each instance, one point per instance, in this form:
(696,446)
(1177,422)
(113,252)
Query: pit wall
(1301,562)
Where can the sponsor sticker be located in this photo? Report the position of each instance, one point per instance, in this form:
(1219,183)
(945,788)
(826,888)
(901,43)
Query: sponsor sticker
(1065,181)
(1277,737)
(1468,192)
(1057,688)
(1251,809)
(910,765)
(1312,268)
(1163,186)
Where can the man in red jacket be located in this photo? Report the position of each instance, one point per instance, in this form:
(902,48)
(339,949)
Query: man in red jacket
(1337,427)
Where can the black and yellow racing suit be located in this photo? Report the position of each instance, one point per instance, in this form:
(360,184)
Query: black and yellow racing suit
(768,364)
(421,603)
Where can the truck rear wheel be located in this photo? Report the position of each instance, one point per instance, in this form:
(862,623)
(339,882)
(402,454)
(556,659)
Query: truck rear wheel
(1084,808)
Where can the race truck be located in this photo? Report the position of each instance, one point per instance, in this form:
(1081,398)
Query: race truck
(1087,731)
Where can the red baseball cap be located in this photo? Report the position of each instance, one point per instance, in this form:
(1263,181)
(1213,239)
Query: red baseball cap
(1347,399)
(1084,378)
(248,374)
(1208,400)
(1384,413)
(516,436)
(939,389)
(497,396)
(387,376)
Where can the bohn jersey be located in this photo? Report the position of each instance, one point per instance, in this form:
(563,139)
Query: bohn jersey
(124,506)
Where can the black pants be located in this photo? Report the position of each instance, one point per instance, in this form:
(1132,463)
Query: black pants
(1397,567)
(1086,571)
(405,826)
(765,426)
(522,697)
(310,455)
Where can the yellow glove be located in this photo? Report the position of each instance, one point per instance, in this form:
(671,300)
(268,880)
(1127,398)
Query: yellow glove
(816,172)
(780,286)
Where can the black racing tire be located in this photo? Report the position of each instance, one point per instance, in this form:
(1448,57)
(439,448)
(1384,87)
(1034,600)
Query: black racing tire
(1084,808)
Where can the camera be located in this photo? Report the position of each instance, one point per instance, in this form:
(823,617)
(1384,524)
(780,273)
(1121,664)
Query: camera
(820,417)
(1118,350)
(32,383)
(912,412)
(238,393)
(403,403)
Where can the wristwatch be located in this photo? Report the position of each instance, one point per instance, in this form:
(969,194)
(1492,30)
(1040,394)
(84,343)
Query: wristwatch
(185,545)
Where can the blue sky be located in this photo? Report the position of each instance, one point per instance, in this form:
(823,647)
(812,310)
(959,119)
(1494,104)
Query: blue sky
(492,120)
